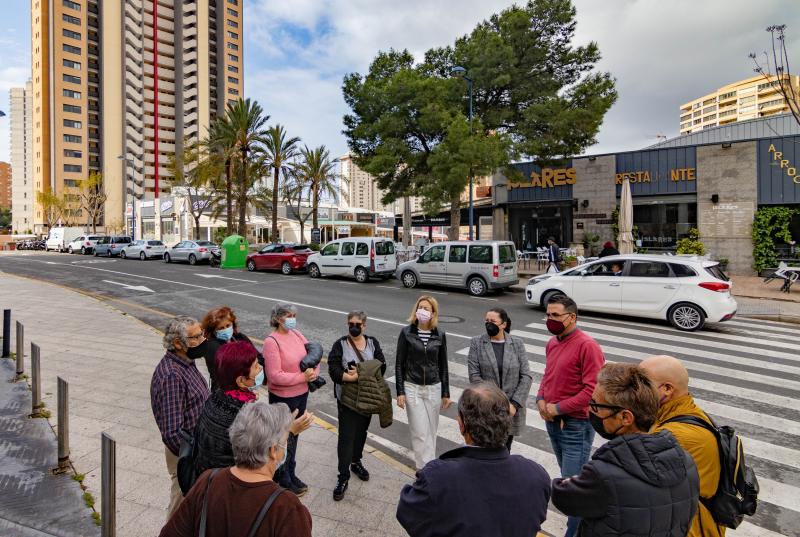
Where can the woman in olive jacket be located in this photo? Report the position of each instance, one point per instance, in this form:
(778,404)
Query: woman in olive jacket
(421,377)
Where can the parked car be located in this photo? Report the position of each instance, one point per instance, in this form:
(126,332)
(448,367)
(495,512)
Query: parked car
(60,237)
(685,290)
(110,246)
(83,244)
(360,257)
(287,258)
(476,266)
(192,252)
(143,249)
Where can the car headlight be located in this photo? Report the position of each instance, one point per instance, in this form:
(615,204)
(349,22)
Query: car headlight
(538,279)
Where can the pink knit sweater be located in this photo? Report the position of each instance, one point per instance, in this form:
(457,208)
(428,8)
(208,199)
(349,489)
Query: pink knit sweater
(282,363)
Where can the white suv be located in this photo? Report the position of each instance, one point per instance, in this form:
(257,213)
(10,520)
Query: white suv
(84,244)
(685,290)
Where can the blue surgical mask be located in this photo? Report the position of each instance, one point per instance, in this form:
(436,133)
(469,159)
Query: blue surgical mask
(259,381)
(290,323)
(283,460)
(224,335)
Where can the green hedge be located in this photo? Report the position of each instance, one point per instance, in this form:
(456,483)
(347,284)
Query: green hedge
(770,223)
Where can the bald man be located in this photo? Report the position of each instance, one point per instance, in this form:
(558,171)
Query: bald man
(671,380)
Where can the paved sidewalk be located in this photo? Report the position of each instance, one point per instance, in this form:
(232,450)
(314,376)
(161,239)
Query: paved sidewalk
(108,359)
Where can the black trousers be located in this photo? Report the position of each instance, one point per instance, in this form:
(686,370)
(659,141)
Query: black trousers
(352,437)
(284,474)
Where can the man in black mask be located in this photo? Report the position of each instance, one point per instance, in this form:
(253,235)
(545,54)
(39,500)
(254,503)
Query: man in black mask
(178,392)
(637,484)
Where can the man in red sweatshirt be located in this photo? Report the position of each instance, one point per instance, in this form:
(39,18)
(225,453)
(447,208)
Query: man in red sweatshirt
(573,360)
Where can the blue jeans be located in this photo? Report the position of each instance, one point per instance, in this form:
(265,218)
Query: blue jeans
(284,475)
(572,445)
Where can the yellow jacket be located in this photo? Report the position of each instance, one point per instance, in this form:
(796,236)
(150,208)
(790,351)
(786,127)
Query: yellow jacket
(702,446)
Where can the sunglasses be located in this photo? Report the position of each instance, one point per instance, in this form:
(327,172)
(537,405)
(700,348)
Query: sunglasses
(595,407)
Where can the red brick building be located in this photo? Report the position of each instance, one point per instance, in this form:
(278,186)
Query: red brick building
(5,185)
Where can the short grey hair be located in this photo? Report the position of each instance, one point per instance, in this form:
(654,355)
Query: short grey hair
(258,427)
(279,311)
(357,314)
(176,329)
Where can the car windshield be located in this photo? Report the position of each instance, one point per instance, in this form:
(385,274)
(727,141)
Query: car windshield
(205,243)
(94,238)
(155,243)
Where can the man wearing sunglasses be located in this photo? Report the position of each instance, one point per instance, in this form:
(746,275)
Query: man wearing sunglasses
(637,484)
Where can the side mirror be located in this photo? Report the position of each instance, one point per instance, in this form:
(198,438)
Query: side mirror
(584,272)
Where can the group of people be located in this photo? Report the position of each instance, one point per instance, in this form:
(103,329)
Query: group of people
(244,430)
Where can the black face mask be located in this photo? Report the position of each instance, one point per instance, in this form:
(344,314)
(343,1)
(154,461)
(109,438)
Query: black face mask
(355,331)
(597,424)
(197,351)
(492,329)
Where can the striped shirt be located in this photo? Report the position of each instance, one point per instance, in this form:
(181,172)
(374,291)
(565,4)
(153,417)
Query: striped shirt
(424,335)
(178,392)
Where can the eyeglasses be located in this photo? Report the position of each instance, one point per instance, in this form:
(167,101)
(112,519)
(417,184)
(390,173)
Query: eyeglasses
(595,407)
(355,325)
(556,315)
(198,336)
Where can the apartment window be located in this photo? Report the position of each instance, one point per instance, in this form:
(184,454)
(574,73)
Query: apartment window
(70,182)
(687,116)
(72,5)
(233,12)
(234,2)
(747,100)
(233,57)
(727,113)
(233,35)
(72,79)
(233,46)
(72,138)
(712,117)
(232,24)
(727,95)
(72,153)
(72,109)
(233,80)
(71,49)
(697,121)
(71,94)
(695,106)
(233,69)
(233,91)
(709,109)
(74,168)
(72,124)
(70,19)
(70,34)
(72,65)
(774,102)
(747,109)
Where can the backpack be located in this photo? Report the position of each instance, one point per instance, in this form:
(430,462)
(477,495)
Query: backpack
(737,491)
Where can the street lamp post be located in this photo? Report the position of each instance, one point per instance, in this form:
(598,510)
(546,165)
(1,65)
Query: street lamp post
(462,73)
(130,224)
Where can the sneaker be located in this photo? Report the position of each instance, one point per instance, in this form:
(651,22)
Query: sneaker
(361,472)
(297,487)
(299,484)
(341,487)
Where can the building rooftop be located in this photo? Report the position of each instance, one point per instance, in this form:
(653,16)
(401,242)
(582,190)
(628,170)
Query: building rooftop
(751,129)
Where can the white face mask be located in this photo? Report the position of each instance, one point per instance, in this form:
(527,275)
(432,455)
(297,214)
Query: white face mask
(423,316)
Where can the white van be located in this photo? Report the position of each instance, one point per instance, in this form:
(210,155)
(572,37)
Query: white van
(360,257)
(60,237)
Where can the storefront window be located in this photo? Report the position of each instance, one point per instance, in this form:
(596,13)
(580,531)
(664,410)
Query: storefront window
(531,225)
(662,225)
(148,229)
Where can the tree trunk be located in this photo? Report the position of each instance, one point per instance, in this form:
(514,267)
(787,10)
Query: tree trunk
(275,185)
(229,195)
(243,197)
(455,218)
(314,207)
(197,226)
(408,240)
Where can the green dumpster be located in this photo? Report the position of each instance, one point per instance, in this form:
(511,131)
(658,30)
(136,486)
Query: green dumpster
(234,252)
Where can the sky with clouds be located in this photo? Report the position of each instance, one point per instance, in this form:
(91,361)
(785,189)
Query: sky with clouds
(662,54)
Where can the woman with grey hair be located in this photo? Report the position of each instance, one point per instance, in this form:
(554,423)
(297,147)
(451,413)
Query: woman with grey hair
(245,499)
(283,351)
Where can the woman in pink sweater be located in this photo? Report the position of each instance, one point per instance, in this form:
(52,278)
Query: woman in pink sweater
(283,351)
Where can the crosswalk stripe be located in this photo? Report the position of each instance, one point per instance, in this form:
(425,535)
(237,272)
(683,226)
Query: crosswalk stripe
(769,326)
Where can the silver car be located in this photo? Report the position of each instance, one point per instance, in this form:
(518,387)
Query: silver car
(143,249)
(477,266)
(192,252)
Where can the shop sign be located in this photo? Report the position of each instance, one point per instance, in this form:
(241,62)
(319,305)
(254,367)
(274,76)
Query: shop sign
(316,235)
(790,167)
(655,172)
(343,230)
(643,176)
(778,177)
(588,216)
(548,178)
(365,218)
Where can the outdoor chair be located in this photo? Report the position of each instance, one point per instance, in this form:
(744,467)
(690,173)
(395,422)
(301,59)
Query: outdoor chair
(779,274)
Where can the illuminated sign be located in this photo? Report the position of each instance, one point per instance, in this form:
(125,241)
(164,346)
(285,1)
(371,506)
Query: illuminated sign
(548,178)
(777,156)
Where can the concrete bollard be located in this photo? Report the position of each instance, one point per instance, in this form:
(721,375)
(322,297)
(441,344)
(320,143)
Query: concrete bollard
(6,333)
(36,379)
(108,486)
(20,350)
(63,424)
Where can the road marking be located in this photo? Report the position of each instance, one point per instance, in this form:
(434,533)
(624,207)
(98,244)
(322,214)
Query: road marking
(132,287)
(388,287)
(225,278)
(484,298)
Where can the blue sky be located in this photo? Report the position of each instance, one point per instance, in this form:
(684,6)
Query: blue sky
(297,52)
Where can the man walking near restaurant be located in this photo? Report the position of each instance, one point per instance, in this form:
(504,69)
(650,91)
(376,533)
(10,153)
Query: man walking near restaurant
(553,255)
(671,380)
(573,360)
(178,392)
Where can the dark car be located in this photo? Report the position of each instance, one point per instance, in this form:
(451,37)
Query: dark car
(287,258)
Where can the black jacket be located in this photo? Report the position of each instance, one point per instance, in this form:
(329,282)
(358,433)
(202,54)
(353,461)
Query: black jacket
(335,367)
(211,353)
(419,364)
(212,444)
(605,252)
(473,491)
(637,485)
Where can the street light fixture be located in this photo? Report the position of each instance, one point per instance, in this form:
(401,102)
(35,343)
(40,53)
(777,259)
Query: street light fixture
(461,72)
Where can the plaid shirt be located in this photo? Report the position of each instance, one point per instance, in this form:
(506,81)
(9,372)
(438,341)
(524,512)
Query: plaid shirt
(177,394)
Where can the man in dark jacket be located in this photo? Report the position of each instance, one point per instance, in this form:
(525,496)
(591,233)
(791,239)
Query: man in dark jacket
(637,484)
(479,488)
(553,254)
(608,249)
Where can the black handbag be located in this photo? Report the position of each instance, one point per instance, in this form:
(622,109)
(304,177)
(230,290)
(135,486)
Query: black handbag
(186,454)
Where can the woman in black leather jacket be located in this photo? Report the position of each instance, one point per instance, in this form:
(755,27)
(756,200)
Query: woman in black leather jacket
(421,377)
(220,327)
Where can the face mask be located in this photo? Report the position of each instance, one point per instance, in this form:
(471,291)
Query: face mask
(597,424)
(224,335)
(355,331)
(423,316)
(259,381)
(290,323)
(283,459)
(198,351)
(556,327)
(492,329)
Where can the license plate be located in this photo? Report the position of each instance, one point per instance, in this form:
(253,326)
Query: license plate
(381,265)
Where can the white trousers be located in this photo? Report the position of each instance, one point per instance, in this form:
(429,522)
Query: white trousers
(422,407)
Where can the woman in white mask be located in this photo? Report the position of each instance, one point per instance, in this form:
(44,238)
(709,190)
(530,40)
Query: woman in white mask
(421,377)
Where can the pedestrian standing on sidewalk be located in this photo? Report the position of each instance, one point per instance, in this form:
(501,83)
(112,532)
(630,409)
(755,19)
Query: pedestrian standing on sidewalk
(500,358)
(572,362)
(671,380)
(346,352)
(178,392)
(220,327)
(228,501)
(553,255)
(421,377)
(284,349)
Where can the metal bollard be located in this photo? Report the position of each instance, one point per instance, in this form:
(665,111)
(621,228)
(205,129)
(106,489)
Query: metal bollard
(6,333)
(63,424)
(108,486)
(36,379)
(20,350)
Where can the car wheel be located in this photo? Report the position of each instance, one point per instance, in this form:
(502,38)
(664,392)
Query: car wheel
(166,258)
(476,286)
(142,256)
(108,252)
(361,274)
(83,250)
(96,254)
(192,259)
(286,268)
(409,279)
(313,271)
(69,250)
(548,295)
(123,254)
(687,317)
(251,266)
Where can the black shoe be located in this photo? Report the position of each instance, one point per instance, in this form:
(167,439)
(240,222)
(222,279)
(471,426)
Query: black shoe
(299,484)
(341,487)
(361,472)
(297,487)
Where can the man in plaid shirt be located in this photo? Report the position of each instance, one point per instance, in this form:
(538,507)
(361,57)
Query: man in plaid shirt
(178,392)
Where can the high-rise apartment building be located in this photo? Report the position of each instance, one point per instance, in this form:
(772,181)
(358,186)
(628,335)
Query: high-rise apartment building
(118,86)
(746,99)
(23,194)
(363,191)
(5,185)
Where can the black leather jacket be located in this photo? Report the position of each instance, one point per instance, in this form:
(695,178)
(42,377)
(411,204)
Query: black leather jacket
(418,364)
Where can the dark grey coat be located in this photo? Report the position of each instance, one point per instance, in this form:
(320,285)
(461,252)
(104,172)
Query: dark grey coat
(516,381)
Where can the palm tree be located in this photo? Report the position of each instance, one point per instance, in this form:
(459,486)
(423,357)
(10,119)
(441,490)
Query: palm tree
(317,170)
(222,154)
(295,188)
(197,174)
(278,151)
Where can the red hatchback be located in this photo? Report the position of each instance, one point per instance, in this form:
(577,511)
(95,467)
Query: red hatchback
(287,258)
